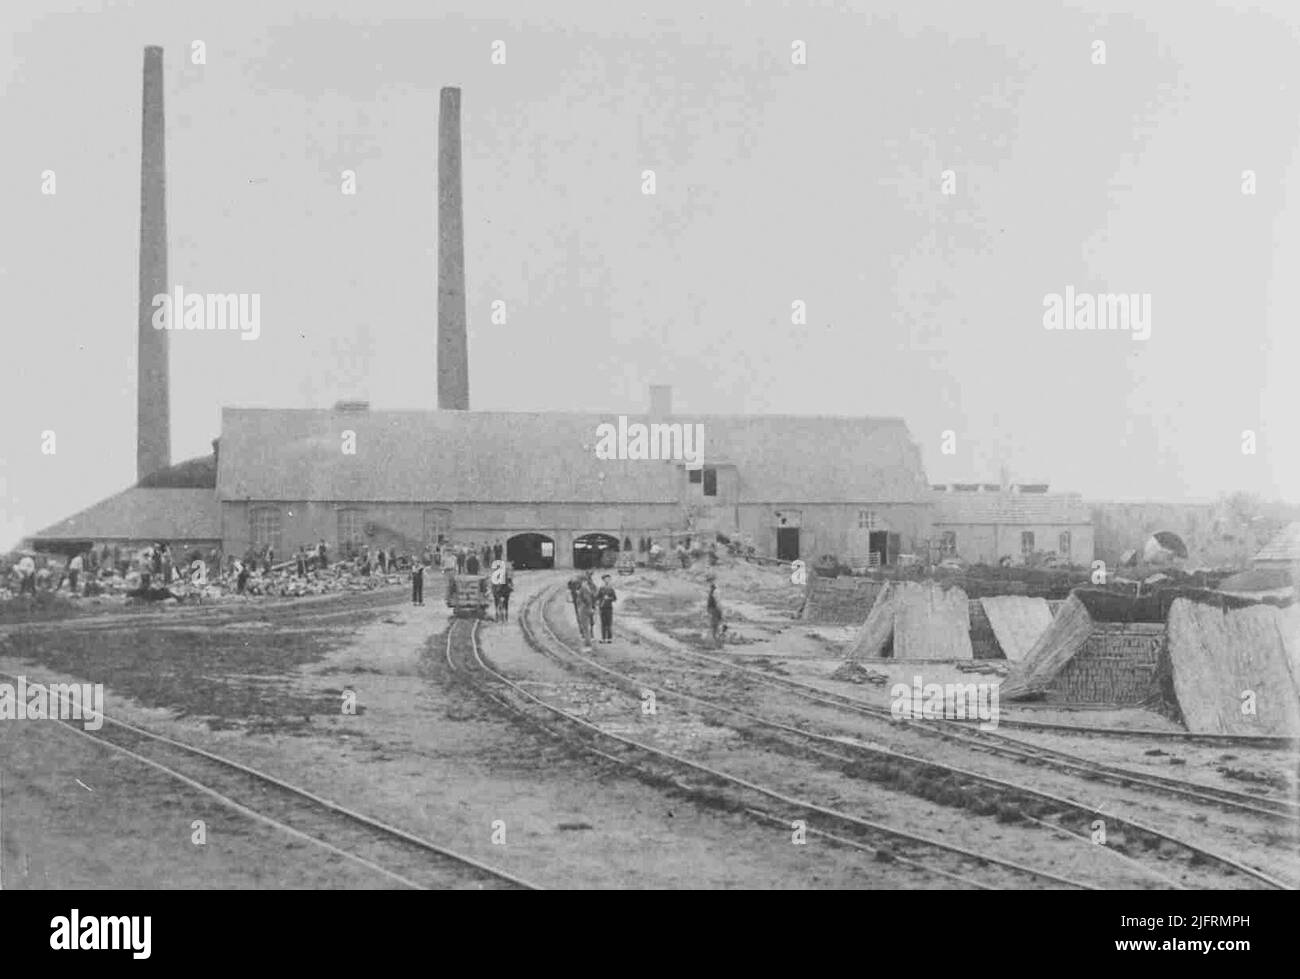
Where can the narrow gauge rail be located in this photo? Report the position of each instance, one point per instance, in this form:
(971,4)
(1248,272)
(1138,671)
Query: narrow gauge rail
(1287,810)
(402,857)
(1048,805)
(710,785)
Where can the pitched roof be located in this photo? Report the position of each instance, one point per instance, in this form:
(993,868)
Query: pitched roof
(197,473)
(1285,547)
(449,456)
(1009,508)
(143,514)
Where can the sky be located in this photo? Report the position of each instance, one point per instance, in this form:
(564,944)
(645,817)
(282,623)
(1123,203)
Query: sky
(776,183)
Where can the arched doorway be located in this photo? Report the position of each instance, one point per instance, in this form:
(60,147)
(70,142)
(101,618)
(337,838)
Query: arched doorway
(595,551)
(531,552)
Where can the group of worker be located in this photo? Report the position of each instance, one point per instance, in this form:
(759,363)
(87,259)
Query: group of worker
(588,600)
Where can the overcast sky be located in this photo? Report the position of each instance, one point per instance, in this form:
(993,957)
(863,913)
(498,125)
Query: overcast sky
(776,182)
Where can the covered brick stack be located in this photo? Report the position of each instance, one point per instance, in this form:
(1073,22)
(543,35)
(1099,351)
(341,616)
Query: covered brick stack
(839,601)
(1117,665)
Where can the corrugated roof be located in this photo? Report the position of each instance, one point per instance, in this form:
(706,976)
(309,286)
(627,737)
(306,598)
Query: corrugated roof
(1009,508)
(144,514)
(1284,547)
(282,454)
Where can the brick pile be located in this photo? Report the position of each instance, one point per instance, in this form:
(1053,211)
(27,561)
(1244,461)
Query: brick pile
(1118,664)
(984,644)
(839,601)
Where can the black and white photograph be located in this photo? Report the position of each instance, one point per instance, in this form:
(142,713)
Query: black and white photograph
(774,445)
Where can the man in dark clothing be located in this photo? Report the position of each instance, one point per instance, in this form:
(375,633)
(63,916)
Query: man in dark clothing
(322,555)
(583,590)
(715,614)
(605,599)
(417,583)
(302,561)
(471,563)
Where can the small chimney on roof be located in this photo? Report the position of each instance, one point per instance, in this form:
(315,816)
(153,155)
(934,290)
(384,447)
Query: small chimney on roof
(661,400)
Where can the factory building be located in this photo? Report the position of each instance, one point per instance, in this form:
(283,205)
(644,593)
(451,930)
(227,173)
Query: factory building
(794,487)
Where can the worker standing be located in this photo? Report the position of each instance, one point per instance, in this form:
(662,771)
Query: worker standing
(417,582)
(715,613)
(605,599)
(26,568)
(585,605)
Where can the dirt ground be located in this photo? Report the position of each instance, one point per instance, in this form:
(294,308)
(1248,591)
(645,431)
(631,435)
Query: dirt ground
(425,752)
(422,752)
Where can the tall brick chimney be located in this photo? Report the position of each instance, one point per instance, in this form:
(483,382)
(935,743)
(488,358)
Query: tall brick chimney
(453,343)
(153,420)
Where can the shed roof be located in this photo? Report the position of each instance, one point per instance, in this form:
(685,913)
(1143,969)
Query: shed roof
(1010,508)
(1282,549)
(283,454)
(138,513)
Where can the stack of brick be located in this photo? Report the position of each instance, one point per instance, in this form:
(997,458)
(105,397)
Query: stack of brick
(839,601)
(1117,664)
(983,642)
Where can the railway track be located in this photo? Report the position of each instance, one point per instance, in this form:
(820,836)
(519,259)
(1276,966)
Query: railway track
(967,733)
(1187,737)
(402,857)
(937,780)
(712,786)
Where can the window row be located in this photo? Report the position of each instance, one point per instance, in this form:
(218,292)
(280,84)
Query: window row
(352,528)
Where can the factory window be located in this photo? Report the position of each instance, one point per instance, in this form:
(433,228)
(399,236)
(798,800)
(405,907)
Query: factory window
(867,520)
(948,544)
(437,526)
(695,475)
(264,527)
(1026,542)
(1063,545)
(710,482)
(351,531)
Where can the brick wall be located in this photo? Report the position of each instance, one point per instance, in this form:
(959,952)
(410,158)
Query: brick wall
(1118,664)
(840,601)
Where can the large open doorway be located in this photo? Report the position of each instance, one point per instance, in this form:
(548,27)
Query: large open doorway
(531,552)
(787,543)
(595,551)
(878,548)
